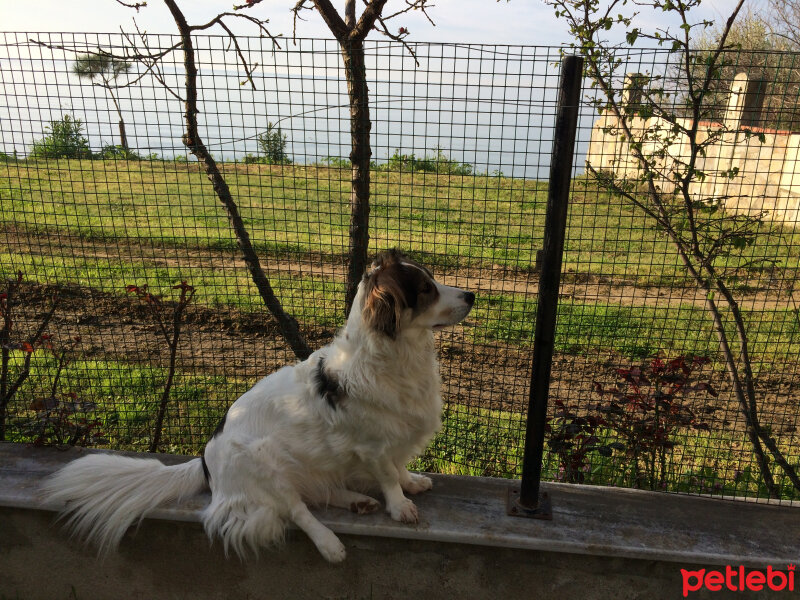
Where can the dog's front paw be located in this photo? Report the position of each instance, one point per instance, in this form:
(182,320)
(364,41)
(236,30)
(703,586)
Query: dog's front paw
(405,512)
(332,549)
(417,484)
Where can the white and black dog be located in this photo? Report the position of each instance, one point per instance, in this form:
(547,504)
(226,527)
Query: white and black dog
(353,414)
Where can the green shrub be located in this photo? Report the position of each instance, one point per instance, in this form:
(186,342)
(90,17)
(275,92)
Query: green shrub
(439,163)
(117,152)
(336,162)
(64,139)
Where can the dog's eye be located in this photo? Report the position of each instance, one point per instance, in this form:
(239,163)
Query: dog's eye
(427,288)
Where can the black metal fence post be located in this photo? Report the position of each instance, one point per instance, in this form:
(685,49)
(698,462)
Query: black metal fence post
(529,501)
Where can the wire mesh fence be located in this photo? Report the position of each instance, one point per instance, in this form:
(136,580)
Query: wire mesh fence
(102,208)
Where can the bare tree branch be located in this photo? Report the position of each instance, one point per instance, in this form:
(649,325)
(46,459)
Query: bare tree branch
(421,5)
(296,10)
(367,20)
(136,5)
(399,37)
(332,19)
(784,20)
(194,142)
(350,13)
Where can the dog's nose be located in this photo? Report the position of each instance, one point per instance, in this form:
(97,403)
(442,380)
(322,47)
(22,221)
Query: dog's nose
(469,298)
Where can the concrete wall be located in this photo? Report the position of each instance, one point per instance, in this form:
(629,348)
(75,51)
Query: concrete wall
(767,161)
(173,560)
(601,543)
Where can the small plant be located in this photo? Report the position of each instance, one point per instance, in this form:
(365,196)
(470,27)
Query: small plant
(64,139)
(62,419)
(116,152)
(439,163)
(273,147)
(10,384)
(572,438)
(647,407)
(336,162)
(170,328)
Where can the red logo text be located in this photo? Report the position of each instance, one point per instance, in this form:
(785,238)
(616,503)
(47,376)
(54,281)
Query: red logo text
(738,580)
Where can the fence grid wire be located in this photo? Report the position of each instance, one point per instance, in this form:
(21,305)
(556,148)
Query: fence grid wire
(461,149)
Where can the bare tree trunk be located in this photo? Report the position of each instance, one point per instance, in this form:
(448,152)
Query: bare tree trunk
(360,155)
(287,324)
(350,34)
(123,137)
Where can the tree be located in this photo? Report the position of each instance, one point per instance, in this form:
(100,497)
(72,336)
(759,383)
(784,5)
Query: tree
(139,50)
(351,32)
(667,143)
(751,48)
(273,145)
(193,140)
(783,18)
(104,70)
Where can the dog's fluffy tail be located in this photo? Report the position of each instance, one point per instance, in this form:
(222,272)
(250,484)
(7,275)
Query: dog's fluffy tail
(104,494)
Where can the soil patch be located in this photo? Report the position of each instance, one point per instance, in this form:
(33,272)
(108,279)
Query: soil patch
(248,346)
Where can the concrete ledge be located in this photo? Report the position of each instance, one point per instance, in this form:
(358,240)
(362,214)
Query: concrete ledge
(598,539)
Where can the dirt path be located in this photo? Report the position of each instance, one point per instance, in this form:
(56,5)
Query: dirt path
(495,280)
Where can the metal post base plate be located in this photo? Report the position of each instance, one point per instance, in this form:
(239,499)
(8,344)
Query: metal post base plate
(544,510)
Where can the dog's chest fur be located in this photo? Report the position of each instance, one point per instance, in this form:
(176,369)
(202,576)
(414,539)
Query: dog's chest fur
(377,398)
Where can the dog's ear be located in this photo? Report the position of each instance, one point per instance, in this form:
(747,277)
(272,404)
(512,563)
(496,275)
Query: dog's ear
(384,303)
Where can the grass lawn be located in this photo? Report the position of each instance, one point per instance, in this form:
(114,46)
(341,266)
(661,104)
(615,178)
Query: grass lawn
(468,224)
(473,441)
(466,220)
(628,330)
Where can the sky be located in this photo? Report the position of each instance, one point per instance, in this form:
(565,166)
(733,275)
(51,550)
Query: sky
(496,123)
(462,21)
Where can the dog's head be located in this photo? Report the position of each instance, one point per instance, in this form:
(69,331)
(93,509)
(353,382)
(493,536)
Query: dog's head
(399,293)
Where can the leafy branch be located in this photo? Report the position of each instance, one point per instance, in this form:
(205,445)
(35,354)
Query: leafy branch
(665,187)
(9,385)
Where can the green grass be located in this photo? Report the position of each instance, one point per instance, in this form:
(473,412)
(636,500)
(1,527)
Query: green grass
(476,441)
(628,330)
(635,332)
(305,209)
(473,441)
(302,209)
(311,299)
(126,396)
(474,221)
